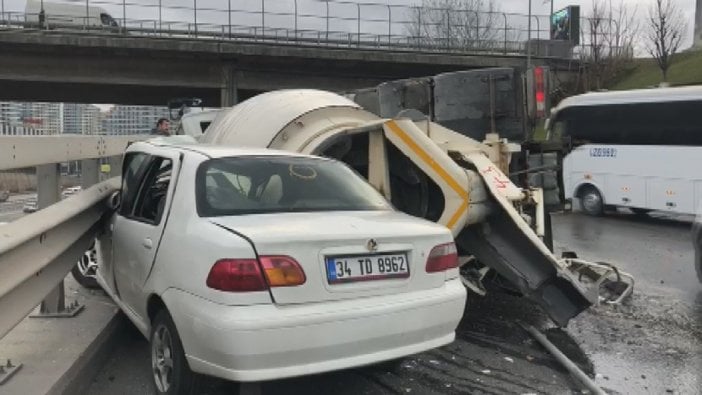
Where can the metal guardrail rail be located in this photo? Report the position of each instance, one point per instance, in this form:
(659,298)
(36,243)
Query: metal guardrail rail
(329,23)
(38,251)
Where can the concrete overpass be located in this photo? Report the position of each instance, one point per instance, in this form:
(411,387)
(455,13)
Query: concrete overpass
(112,68)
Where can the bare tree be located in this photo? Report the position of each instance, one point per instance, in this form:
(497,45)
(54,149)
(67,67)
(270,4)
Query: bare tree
(666,28)
(597,35)
(472,24)
(609,35)
(626,30)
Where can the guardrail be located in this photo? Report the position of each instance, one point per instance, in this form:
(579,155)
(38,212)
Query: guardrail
(328,23)
(38,251)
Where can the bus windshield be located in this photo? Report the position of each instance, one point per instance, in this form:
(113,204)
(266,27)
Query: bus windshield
(659,123)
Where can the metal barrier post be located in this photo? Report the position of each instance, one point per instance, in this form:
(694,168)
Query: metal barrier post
(295,4)
(505,17)
(54,304)
(195,15)
(358,29)
(327,36)
(389,24)
(115,166)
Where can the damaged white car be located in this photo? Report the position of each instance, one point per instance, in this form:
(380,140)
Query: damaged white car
(253,265)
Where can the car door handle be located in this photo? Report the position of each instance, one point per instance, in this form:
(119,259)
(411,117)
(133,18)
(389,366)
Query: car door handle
(147,243)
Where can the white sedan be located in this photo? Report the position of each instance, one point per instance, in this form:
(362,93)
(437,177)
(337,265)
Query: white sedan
(254,265)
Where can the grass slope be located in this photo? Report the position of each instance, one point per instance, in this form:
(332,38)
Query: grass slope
(685,70)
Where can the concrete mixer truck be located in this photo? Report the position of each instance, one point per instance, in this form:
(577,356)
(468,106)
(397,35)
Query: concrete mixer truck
(432,172)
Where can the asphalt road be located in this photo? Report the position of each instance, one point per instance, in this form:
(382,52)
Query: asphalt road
(651,344)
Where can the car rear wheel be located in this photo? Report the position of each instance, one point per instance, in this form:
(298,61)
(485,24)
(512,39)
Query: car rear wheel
(170,371)
(591,201)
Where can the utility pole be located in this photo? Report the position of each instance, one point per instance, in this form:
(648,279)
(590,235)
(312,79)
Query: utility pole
(550,21)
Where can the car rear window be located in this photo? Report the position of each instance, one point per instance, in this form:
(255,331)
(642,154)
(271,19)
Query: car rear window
(273,184)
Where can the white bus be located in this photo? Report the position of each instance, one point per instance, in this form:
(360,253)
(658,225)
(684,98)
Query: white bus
(639,149)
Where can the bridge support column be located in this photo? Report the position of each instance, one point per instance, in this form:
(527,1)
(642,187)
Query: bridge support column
(54,304)
(229,87)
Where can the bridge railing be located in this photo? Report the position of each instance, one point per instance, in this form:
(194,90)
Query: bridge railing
(333,23)
(38,250)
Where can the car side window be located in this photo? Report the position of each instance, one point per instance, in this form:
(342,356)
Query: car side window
(132,175)
(151,199)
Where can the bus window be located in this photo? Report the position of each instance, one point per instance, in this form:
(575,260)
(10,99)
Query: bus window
(663,123)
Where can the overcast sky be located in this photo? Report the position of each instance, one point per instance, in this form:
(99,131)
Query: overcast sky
(178,11)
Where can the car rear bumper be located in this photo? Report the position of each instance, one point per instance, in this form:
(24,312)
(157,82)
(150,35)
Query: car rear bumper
(265,342)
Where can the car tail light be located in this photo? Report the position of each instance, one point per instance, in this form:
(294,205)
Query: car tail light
(245,275)
(282,271)
(236,275)
(540,92)
(442,258)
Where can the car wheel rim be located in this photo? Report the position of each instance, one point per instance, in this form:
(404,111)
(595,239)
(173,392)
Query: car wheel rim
(87,264)
(591,202)
(162,358)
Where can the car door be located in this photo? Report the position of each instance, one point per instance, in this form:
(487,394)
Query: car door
(139,226)
(133,170)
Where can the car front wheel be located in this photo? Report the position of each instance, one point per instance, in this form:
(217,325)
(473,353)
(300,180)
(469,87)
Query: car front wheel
(170,370)
(85,270)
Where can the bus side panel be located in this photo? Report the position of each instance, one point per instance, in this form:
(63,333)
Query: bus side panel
(626,190)
(580,167)
(674,195)
(698,197)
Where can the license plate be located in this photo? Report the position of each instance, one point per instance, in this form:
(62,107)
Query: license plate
(366,268)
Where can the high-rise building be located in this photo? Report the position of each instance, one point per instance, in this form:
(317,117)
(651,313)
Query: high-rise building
(81,119)
(46,118)
(76,118)
(132,119)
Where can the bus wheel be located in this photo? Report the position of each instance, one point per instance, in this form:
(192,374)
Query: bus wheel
(591,201)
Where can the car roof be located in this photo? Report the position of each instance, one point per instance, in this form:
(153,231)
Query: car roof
(652,95)
(215,151)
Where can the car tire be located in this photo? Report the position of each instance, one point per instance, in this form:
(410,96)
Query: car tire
(591,201)
(170,372)
(86,269)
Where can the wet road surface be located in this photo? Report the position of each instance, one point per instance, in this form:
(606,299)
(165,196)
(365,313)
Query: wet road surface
(651,344)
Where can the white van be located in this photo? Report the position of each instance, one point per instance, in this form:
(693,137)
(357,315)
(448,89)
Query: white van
(57,15)
(640,149)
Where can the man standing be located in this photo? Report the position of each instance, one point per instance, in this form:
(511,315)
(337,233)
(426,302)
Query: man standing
(162,128)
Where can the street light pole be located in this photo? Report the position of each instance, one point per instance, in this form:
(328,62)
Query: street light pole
(528,46)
